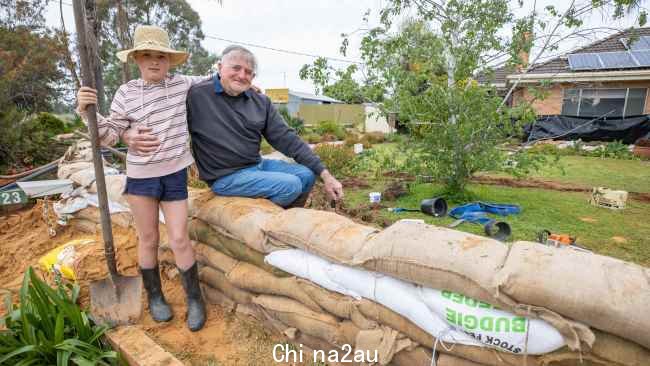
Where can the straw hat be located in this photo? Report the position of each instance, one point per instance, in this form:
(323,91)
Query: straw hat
(152,38)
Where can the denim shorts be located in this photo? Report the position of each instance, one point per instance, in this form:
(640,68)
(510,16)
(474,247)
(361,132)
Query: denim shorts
(171,187)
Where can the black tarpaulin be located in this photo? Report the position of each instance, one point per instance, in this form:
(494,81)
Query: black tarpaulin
(627,130)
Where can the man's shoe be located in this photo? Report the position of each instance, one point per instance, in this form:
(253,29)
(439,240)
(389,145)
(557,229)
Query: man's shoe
(194,301)
(158,307)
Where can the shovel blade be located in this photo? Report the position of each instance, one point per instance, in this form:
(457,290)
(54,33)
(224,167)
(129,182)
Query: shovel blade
(116,301)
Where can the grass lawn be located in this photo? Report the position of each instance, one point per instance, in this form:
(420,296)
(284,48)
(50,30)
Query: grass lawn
(622,234)
(628,175)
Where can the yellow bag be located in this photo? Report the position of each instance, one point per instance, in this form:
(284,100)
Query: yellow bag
(61,259)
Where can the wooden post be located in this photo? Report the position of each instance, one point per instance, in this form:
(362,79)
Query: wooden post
(86,43)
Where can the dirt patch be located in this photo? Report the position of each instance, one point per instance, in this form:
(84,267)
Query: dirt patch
(530,183)
(545,184)
(400,175)
(355,183)
(25,239)
(226,339)
(619,239)
(394,191)
(588,219)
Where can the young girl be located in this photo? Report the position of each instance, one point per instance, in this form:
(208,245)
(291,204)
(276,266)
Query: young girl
(157,175)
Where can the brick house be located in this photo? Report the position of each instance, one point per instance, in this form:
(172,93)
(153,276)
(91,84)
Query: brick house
(611,76)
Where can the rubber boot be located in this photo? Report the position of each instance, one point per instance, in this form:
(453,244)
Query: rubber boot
(158,307)
(194,301)
(300,201)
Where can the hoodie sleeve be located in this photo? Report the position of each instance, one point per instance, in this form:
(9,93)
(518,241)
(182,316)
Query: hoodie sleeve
(110,128)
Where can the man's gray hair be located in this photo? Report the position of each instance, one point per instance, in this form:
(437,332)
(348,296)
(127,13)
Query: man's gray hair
(232,49)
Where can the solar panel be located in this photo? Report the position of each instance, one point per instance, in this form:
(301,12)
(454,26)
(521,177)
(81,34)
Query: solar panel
(642,43)
(617,60)
(643,57)
(584,61)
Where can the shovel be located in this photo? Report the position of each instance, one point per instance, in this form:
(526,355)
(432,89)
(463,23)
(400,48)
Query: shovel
(115,300)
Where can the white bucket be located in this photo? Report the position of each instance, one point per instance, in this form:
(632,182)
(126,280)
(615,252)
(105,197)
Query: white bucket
(358,148)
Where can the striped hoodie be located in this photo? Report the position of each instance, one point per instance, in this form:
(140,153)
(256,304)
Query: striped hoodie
(160,106)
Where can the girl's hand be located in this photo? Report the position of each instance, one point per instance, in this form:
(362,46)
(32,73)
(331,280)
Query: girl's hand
(85,97)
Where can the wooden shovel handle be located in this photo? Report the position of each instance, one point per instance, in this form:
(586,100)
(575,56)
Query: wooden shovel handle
(87,45)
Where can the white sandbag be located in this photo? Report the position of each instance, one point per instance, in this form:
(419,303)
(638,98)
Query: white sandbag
(400,297)
(440,314)
(490,325)
(304,265)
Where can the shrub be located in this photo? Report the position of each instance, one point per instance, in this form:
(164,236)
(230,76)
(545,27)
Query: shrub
(375,137)
(27,141)
(351,140)
(49,328)
(613,150)
(313,138)
(331,127)
(297,123)
(329,137)
(339,160)
(395,137)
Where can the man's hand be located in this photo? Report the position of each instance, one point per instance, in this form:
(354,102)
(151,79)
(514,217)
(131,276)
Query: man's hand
(140,140)
(333,187)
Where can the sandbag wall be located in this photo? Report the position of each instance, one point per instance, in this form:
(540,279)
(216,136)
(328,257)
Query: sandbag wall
(598,304)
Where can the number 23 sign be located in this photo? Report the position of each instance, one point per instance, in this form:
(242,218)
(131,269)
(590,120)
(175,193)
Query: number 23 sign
(12,197)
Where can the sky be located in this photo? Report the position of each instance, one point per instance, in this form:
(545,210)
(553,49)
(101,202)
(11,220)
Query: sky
(311,27)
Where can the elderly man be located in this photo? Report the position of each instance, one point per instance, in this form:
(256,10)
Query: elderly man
(227,121)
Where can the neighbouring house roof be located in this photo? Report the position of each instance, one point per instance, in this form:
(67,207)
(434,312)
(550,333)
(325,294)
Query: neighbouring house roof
(612,43)
(310,96)
(558,69)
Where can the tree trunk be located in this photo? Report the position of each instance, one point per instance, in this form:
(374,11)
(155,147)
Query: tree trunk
(122,34)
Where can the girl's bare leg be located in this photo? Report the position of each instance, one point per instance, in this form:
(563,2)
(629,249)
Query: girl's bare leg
(176,221)
(145,215)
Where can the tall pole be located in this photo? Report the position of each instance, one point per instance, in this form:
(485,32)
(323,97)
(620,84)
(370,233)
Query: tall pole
(87,44)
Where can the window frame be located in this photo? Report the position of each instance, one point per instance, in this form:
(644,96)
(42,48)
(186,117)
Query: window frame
(625,102)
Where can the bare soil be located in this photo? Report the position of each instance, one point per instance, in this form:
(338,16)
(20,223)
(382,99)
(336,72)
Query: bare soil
(226,338)
(545,184)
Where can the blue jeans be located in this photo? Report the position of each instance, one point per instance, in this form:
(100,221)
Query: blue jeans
(277,180)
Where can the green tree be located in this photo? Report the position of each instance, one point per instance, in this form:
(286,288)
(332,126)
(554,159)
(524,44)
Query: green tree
(30,57)
(426,66)
(343,88)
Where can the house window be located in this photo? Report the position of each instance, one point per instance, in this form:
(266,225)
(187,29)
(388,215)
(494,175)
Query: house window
(597,102)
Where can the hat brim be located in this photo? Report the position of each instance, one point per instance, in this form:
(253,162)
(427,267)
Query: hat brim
(175,57)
